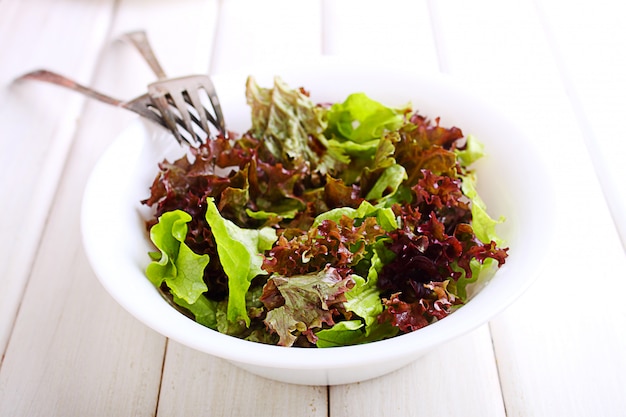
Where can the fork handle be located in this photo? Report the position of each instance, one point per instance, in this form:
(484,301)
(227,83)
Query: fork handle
(139,39)
(63,81)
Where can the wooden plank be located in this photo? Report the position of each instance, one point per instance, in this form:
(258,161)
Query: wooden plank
(195,383)
(547,344)
(396,32)
(182,36)
(37,131)
(250,33)
(458,378)
(255,33)
(90,357)
(463,369)
(74,352)
(588,44)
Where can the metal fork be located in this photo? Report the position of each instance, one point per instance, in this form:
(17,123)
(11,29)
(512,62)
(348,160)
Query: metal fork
(140,105)
(172,103)
(180,99)
(139,39)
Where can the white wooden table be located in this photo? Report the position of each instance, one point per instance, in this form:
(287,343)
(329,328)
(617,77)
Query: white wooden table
(559,66)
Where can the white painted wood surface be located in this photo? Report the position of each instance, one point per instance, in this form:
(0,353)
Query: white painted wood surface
(33,151)
(588,46)
(68,349)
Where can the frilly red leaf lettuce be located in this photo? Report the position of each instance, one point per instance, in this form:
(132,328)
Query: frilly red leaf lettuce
(323,225)
(341,244)
(435,244)
(299,304)
(435,304)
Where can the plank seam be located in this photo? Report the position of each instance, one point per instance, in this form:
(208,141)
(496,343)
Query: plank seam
(595,154)
(216,33)
(439,42)
(495,358)
(328,400)
(158,399)
(52,202)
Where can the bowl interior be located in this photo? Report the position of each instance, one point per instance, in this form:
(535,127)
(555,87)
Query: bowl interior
(511,180)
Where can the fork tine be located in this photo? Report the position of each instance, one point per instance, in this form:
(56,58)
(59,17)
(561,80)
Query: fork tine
(194,119)
(162,105)
(164,99)
(218,120)
(181,104)
(194,98)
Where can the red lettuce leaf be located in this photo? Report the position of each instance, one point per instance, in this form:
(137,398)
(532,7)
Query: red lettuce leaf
(435,304)
(299,304)
(339,244)
(424,146)
(435,244)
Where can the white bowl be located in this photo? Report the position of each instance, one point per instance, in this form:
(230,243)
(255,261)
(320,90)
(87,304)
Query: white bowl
(511,179)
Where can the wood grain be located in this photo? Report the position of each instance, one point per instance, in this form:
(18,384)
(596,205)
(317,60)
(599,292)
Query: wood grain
(425,385)
(272,32)
(551,337)
(212,386)
(195,383)
(458,378)
(67,347)
(39,123)
(588,45)
(393,32)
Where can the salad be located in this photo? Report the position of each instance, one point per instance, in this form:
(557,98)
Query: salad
(325,224)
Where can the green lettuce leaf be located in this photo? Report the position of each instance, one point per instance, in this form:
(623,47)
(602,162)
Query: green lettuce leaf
(344,333)
(384,216)
(382,177)
(474,150)
(363,300)
(387,183)
(353,149)
(484,226)
(178,266)
(361,119)
(481,272)
(289,213)
(240,252)
(350,332)
(204,310)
